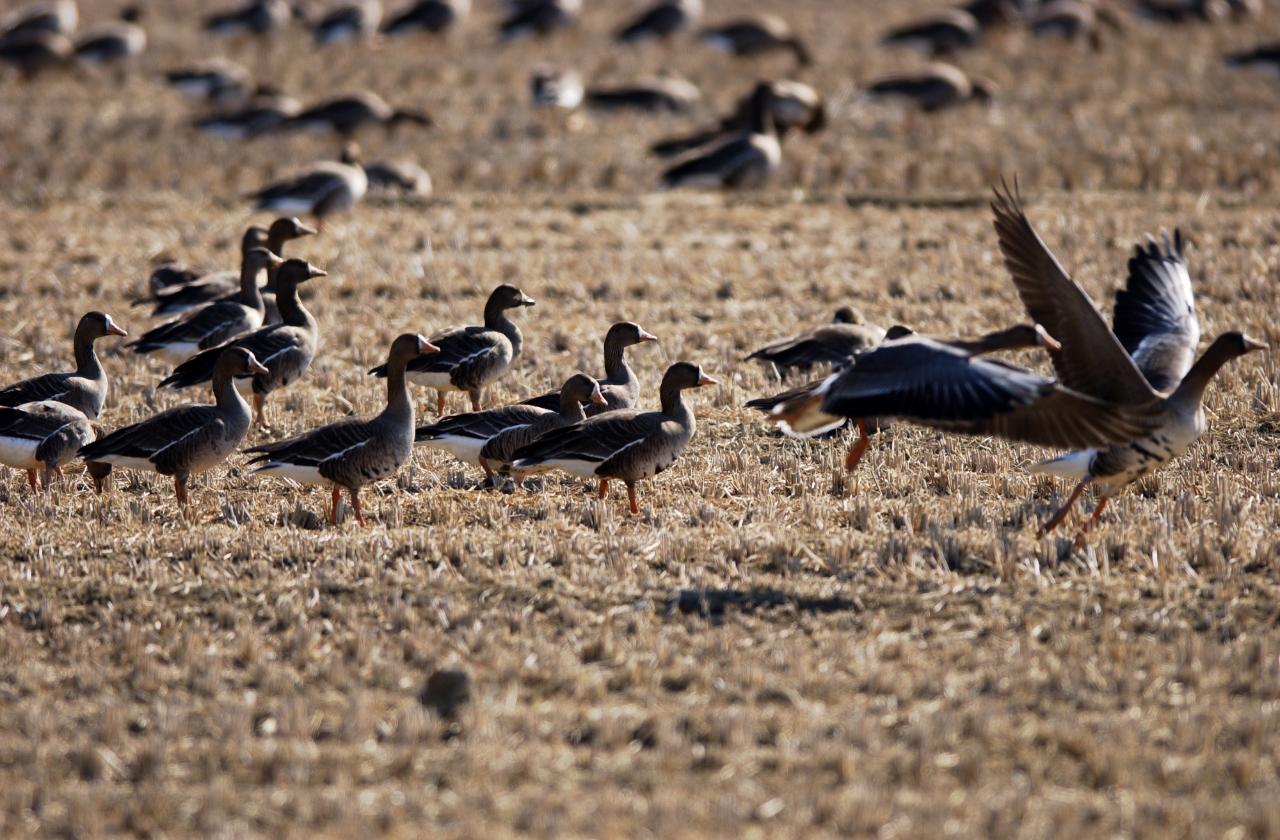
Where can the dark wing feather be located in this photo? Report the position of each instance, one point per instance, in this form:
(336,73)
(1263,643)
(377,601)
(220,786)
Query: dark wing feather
(1065,419)
(47,387)
(316,183)
(145,438)
(660,20)
(1155,313)
(597,438)
(722,160)
(310,448)
(203,325)
(460,349)
(266,344)
(481,425)
(767,404)
(549,401)
(28,425)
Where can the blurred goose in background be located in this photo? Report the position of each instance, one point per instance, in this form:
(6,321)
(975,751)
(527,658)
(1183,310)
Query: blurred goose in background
(265,110)
(620,386)
(1182,11)
(470,358)
(33,53)
(830,344)
(553,87)
(57,17)
(42,436)
(539,17)
(85,388)
(403,176)
(348,21)
(744,159)
(186,440)
(495,456)
(628,444)
(216,80)
(663,92)
(285,349)
(794,105)
(213,323)
(992,14)
(347,115)
(934,88)
(1073,20)
(754,36)
(946,32)
(353,453)
(661,20)
(1265,58)
(1144,363)
(321,189)
(434,16)
(257,17)
(113,42)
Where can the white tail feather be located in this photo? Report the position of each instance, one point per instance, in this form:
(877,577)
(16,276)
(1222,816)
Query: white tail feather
(1073,465)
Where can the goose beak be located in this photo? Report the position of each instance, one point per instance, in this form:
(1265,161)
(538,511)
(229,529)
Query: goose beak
(115,329)
(275,262)
(304,229)
(1047,341)
(313,271)
(525,300)
(425,347)
(704,381)
(598,398)
(1251,344)
(256,366)
(645,335)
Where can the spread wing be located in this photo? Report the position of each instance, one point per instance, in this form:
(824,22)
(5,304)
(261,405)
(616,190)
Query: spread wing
(1155,313)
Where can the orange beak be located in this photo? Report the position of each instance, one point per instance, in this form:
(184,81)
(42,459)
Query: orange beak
(598,398)
(705,380)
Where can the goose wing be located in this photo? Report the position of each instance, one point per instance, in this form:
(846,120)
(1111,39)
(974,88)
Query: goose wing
(1155,313)
(481,425)
(50,386)
(311,449)
(595,440)
(147,438)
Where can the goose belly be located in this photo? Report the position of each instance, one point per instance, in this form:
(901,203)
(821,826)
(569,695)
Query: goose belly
(127,462)
(432,379)
(465,449)
(178,352)
(1118,466)
(19,453)
(295,472)
(580,468)
(290,204)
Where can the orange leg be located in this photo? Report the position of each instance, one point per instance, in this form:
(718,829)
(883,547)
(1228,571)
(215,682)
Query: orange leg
(440,403)
(1093,520)
(333,509)
(180,489)
(31,479)
(354,493)
(859,447)
(259,410)
(604,488)
(1062,514)
(475,400)
(631,496)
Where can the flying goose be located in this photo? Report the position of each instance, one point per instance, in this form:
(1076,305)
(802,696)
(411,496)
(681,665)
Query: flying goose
(349,21)
(113,42)
(934,88)
(745,159)
(620,386)
(794,105)
(629,445)
(256,17)
(58,17)
(285,349)
(661,20)
(1144,363)
(755,36)
(188,439)
(434,16)
(215,80)
(664,92)
(946,32)
(352,453)
(469,358)
(539,17)
(41,437)
(265,110)
(321,189)
(496,454)
(346,115)
(830,344)
(85,388)
(33,53)
(211,324)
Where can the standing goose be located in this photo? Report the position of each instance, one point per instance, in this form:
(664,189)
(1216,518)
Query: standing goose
(464,435)
(348,114)
(114,42)
(934,88)
(32,53)
(42,436)
(285,349)
(746,159)
(1265,58)
(213,323)
(469,358)
(352,453)
(57,17)
(661,20)
(629,445)
(349,21)
(434,16)
(257,17)
(757,36)
(215,80)
(496,454)
(946,32)
(1143,363)
(539,17)
(1072,20)
(830,344)
(620,386)
(266,110)
(321,189)
(795,105)
(85,388)
(665,92)
(188,439)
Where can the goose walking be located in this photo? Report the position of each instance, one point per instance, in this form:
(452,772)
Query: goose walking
(321,189)
(628,445)
(745,159)
(496,454)
(353,453)
(85,388)
(620,386)
(41,437)
(186,440)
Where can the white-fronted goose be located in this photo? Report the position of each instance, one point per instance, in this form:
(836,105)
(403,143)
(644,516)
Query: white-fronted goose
(991,14)
(114,42)
(661,20)
(496,454)
(170,273)
(1265,58)
(266,110)
(470,358)
(188,439)
(795,105)
(934,88)
(620,386)
(464,435)
(629,445)
(403,176)
(553,87)
(41,437)
(347,115)
(349,21)
(1072,20)
(1143,363)
(217,80)
(352,453)
(285,349)
(209,325)
(664,92)
(257,17)
(434,16)
(85,388)
(830,344)
(539,17)
(745,159)
(757,36)
(59,17)
(1176,12)
(33,53)
(946,32)
(321,189)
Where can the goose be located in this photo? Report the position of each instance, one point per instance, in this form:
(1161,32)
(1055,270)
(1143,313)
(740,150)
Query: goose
(755,36)
(1143,363)
(266,110)
(661,20)
(539,17)
(552,87)
(934,88)
(114,42)
(403,176)
(188,439)
(257,17)
(830,344)
(991,14)
(794,105)
(745,159)
(33,53)
(434,16)
(285,349)
(470,358)
(495,455)
(1072,20)
(215,80)
(628,445)
(664,92)
(352,453)
(348,22)
(57,17)
(321,189)
(946,32)
(620,386)
(1182,11)
(41,437)
(85,388)
(346,115)
(464,435)
(1265,58)
(211,324)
